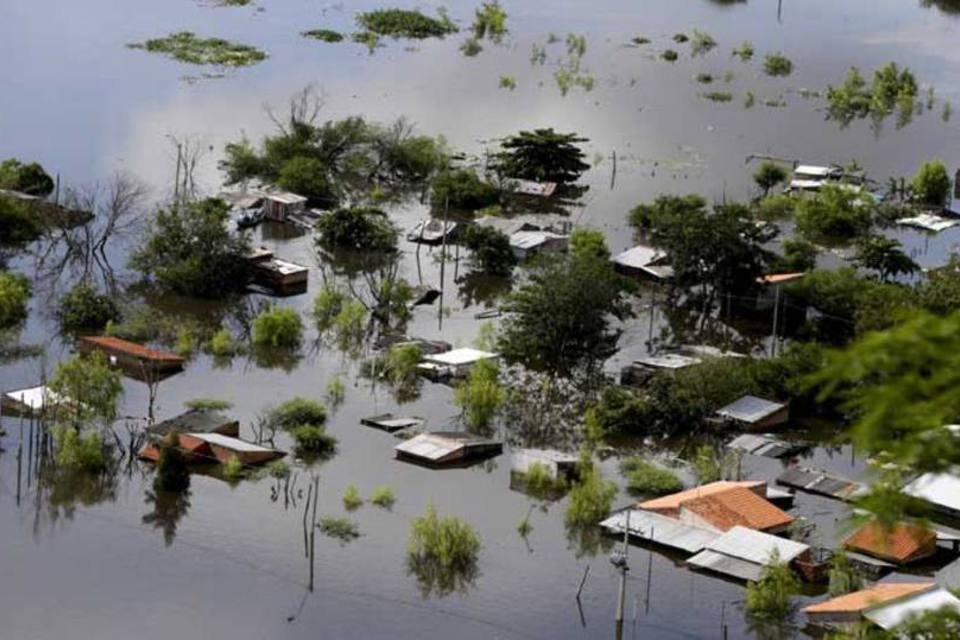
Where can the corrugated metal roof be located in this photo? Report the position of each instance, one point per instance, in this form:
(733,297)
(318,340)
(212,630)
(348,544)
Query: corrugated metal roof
(286,197)
(727,565)
(526,240)
(668,361)
(430,447)
(940,489)
(661,530)
(639,257)
(750,409)
(892,615)
(458,357)
(756,546)
(35,398)
(235,444)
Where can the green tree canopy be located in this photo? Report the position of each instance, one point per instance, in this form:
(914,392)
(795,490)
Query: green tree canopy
(931,184)
(14,295)
(361,228)
(29,178)
(768,175)
(91,386)
(542,155)
(885,256)
(834,214)
(490,249)
(463,189)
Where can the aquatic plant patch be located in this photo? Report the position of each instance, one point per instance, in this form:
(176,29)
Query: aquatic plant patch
(403,23)
(186,47)
(324,35)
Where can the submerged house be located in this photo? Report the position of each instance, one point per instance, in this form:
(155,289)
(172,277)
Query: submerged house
(940,490)
(901,544)
(638,372)
(886,605)
(643,262)
(135,359)
(208,448)
(447,448)
(742,553)
(754,414)
(278,206)
(807,177)
(452,364)
(196,421)
(280,276)
(35,401)
(432,231)
(558,464)
(526,244)
(721,506)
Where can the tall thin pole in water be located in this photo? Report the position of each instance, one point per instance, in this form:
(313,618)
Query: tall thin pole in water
(443,259)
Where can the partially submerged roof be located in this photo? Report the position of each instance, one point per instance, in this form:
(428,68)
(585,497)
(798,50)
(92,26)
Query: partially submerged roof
(234,444)
(35,398)
(738,506)
(531,188)
(116,345)
(459,357)
(197,421)
(673,501)
(750,409)
(896,613)
(755,546)
(928,222)
(445,447)
(507,226)
(391,422)
(764,445)
(780,278)
(659,529)
(283,267)
(820,482)
(644,258)
(873,596)
(285,197)
(527,240)
(903,542)
(814,170)
(672,361)
(939,489)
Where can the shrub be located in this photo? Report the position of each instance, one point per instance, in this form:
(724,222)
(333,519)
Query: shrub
(232,469)
(508,82)
(490,249)
(540,483)
(208,404)
(481,395)
(401,364)
(744,51)
(647,479)
(305,176)
(383,497)
(296,412)
(891,87)
(172,473)
(490,20)
(931,184)
(84,308)
(324,35)
(832,215)
(90,380)
(844,577)
(463,189)
(341,529)
(770,596)
(777,64)
(360,228)
(79,451)
(701,42)
(670,55)
(221,343)
(326,305)
(335,390)
(351,498)
(585,243)
(446,543)
(277,327)
(188,48)
(779,206)
(18,223)
(14,294)
(312,441)
(591,496)
(401,23)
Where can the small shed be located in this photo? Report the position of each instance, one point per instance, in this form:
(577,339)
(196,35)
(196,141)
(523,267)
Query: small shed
(755,414)
(557,463)
(903,543)
(455,363)
(643,262)
(390,422)
(196,421)
(638,372)
(447,448)
(277,206)
(850,609)
(659,529)
(742,553)
(280,276)
(529,243)
(940,490)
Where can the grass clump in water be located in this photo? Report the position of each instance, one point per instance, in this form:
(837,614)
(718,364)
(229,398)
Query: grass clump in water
(591,497)
(777,64)
(701,43)
(892,88)
(351,498)
(640,40)
(508,82)
(341,529)
(647,479)
(490,21)
(540,483)
(744,51)
(670,55)
(383,497)
(704,78)
(277,327)
(718,96)
(442,552)
(471,47)
(680,38)
(208,404)
(232,470)
(324,35)
(186,47)
(524,528)
(404,23)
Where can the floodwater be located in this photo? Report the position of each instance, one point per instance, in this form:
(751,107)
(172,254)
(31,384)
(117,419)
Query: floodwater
(230,563)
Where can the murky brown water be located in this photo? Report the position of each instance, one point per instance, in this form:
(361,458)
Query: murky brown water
(80,103)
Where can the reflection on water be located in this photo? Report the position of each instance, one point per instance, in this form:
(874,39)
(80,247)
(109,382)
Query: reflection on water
(64,490)
(168,508)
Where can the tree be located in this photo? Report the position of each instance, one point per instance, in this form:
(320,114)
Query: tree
(83,307)
(189,250)
(591,497)
(25,178)
(770,596)
(277,327)
(463,189)
(560,321)
(798,255)
(481,395)
(442,552)
(90,387)
(884,255)
(306,177)
(589,242)
(940,292)
(14,295)
(360,228)
(834,214)
(931,184)
(490,249)
(18,223)
(769,175)
(542,155)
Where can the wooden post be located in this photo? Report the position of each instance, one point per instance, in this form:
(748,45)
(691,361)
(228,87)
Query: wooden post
(586,571)
(443,260)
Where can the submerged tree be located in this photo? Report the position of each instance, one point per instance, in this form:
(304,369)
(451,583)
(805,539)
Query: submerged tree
(885,256)
(542,155)
(30,178)
(481,395)
(90,387)
(442,553)
(14,295)
(360,228)
(769,175)
(931,184)
(490,249)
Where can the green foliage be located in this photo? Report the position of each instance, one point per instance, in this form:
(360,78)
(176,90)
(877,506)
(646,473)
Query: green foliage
(744,51)
(940,292)
(383,497)
(508,82)
(524,528)
(777,64)
(18,223)
(779,206)
(14,295)
(442,549)
(768,175)
(360,228)
(400,366)
(586,243)
(304,176)
(312,441)
(190,251)
(885,256)
(295,412)
(542,155)
(341,529)
(680,38)
(335,391)
(187,342)
(891,88)
(324,35)
(647,479)
(471,47)
(401,23)
(92,386)
(481,395)
(591,496)
(770,596)
(188,48)
(937,624)
(463,189)
(931,184)
(221,343)
(701,43)
(670,55)
(844,577)
(232,470)
(368,39)
(490,20)
(560,320)
(540,483)
(798,255)
(79,450)
(277,327)
(327,305)
(832,215)
(718,96)
(490,249)
(351,498)
(84,308)
(172,473)
(707,464)
(208,404)
(29,178)
(704,78)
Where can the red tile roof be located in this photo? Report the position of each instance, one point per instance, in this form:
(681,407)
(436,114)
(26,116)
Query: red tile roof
(902,543)
(132,348)
(868,598)
(738,506)
(670,505)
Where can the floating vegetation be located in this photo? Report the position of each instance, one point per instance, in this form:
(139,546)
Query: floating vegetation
(647,479)
(490,21)
(670,55)
(232,469)
(892,89)
(341,529)
(405,23)
(367,38)
(701,43)
(324,35)
(947,112)
(471,47)
(718,96)
(749,100)
(383,497)
(335,391)
(777,64)
(744,51)
(640,40)
(188,48)
(508,82)
(704,78)
(442,553)
(538,54)
(777,103)
(680,38)
(351,498)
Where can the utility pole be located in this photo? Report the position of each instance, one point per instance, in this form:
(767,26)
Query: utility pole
(176,181)
(619,560)
(776,314)
(443,259)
